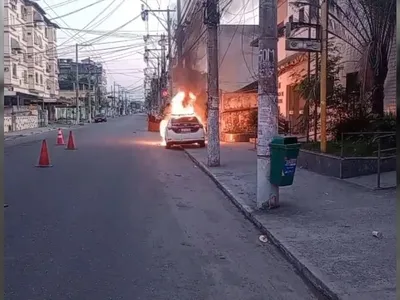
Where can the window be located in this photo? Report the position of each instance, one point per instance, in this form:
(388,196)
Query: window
(25,76)
(46,33)
(36,78)
(24,36)
(24,13)
(301,15)
(291,19)
(185,121)
(36,39)
(14,70)
(24,57)
(41,79)
(12,21)
(314,11)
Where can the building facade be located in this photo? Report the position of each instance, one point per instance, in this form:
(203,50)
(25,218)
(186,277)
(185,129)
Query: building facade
(30,55)
(92,83)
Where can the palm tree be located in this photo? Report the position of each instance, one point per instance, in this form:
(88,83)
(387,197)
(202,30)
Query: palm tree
(370,30)
(367,27)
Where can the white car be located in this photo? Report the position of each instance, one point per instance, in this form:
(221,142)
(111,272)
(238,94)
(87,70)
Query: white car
(183,130)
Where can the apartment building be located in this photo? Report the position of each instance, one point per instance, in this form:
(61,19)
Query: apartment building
(30,55)
(92,77)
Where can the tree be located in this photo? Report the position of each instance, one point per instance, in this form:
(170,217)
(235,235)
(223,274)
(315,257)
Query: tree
(367,27)
(309,88)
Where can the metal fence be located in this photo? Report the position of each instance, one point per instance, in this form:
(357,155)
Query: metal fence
(375,140)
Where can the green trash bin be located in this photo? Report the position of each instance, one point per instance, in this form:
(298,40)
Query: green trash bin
(284,153)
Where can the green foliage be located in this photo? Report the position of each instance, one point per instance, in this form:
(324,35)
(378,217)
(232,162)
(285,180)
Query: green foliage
(309,88)
(283,126)
(364,123)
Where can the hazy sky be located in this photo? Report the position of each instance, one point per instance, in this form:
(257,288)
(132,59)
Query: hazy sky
(122,50)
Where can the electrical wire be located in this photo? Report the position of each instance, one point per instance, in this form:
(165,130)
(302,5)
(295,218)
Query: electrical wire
(112,31)
(91,21)
(76,11)
(108,15)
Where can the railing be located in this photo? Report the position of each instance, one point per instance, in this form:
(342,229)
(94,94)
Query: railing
(379,155)
(377,138)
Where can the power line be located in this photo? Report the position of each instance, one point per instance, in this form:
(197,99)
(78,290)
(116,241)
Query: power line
(76,11)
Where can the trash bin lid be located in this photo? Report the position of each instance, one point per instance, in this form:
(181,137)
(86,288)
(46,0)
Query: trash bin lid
(283,140)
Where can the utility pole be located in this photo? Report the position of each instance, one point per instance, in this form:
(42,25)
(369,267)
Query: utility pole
(179,34)
(145,14)
(90,94)
(169,81)
(267,193)
(77,85)
(324,71)
(164,79)
(113,101)
(212,21)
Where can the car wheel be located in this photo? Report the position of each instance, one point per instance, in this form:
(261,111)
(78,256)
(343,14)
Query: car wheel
(202,144)
(168,146)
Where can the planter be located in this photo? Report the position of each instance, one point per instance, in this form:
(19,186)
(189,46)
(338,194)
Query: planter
(153,126)
(236,137)
(345,167)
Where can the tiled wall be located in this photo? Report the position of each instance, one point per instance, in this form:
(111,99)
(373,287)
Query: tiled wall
(7,124)
(236,110)
(21,123)
(26,122)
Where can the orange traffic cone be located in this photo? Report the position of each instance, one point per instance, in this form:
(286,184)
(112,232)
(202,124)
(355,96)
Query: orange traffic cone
(60,138)
(71,142)
(44,158)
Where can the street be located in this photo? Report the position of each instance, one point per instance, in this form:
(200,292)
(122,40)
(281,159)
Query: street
(123,218)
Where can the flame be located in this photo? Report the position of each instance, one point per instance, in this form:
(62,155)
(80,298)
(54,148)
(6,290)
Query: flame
(179,107)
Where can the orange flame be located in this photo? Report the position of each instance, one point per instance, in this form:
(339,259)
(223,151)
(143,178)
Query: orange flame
(178,107)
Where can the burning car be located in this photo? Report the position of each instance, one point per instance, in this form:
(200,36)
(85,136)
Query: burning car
(182,125)
(183,130)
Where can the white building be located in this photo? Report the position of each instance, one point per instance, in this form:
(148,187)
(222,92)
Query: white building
(30,55)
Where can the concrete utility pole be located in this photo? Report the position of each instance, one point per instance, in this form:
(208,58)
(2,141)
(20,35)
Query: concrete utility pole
(77,84)
(113,101)
(169,53)
(179,34)
(267,193)
(145,13)
(213,146)
(90,94)
(324,71)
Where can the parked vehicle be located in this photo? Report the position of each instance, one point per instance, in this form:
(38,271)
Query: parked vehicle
(100,118)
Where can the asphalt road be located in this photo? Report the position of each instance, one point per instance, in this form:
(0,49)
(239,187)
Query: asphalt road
(123,218)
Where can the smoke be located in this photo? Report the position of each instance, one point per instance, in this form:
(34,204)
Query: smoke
(238,8)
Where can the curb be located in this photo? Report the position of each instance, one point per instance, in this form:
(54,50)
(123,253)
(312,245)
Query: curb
(249,213)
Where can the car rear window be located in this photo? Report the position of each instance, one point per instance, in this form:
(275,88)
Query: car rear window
(185,121)
(99,116)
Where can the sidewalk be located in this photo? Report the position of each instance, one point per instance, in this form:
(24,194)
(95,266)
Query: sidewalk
(27,132)
(324,225)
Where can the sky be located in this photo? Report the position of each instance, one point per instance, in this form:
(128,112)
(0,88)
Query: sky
(120,51)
